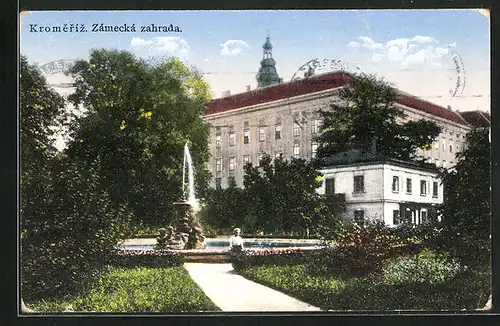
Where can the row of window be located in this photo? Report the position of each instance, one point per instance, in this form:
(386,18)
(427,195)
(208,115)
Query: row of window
(278,154)
(359,186)
(409,190)
(397,218)
(451,146)
(262,133)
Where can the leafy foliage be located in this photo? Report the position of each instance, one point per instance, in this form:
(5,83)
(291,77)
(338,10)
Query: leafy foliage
(41,109)
(71,235)
(466,210)
(360,251)
(281,196)
(69,226)
(224,209)
(427,267)
(368,120)
(251,258)
(137,119)
(147,258)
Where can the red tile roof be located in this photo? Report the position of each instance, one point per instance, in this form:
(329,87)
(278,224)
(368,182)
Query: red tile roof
(477,118)
(430,108)
(316,84)
(279,91)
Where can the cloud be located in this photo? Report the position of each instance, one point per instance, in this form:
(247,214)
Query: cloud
(162,44)
(354,45)
(424,39)
(370,44)
(233,47)
(137,41)
(414,58)
(408,52)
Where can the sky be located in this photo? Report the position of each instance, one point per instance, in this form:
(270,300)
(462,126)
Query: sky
(442,56)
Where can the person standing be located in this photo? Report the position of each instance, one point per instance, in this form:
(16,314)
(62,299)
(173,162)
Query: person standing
(236,242)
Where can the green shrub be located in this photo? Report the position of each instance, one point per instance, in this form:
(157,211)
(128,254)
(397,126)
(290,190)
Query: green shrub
(147,258)
(279,257)
(465,290)
(69,234)
(141,230)
(361,251)
(427,267)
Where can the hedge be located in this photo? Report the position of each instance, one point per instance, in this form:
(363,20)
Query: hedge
(147,258)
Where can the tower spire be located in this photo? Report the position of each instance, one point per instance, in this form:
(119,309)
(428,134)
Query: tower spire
(267,74)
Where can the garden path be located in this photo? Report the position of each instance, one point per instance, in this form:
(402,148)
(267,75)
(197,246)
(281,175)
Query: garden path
(232,292)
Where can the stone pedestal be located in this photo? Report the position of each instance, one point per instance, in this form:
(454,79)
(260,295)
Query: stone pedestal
(187,235)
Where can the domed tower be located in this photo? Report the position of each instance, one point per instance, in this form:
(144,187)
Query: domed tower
(267,74)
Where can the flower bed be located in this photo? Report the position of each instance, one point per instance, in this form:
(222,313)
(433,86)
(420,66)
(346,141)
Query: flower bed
(259,257)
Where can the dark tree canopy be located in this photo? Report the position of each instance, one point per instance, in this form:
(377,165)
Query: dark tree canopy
(68,226)
(466,211)
(138,118)
(40,109)
(366,119)
(281,195)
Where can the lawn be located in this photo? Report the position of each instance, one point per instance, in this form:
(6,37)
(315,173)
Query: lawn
(389,290)
(140,289)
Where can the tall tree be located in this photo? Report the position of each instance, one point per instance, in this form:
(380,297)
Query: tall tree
(138,117)
(224,209)
(367,117)
(466,209)
(281,195)
(40,110)
(68,226)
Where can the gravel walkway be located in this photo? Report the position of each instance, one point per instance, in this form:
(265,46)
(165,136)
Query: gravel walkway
(232,292)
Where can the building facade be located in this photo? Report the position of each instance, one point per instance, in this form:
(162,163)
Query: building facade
(389,191)
(283,119)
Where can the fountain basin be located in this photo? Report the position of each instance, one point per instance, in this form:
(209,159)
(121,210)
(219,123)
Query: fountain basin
(220,246)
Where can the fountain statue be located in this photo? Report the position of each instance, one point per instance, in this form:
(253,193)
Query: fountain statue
(188,233)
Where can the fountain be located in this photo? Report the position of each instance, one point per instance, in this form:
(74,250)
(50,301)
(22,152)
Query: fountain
(188,234)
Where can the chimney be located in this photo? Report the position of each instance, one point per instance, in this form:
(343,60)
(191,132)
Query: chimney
(226,93)
(248,88)
(448,107)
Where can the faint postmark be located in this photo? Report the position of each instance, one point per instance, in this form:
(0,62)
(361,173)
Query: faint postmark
(324,65)
(57,67)
(460,78)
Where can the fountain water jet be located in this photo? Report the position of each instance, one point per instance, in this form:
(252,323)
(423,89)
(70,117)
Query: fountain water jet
(189,233)
(191,198)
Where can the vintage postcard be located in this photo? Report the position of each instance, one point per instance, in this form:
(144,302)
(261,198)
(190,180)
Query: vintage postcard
(254,161)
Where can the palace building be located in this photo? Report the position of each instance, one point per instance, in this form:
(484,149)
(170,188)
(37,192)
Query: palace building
(282,119)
